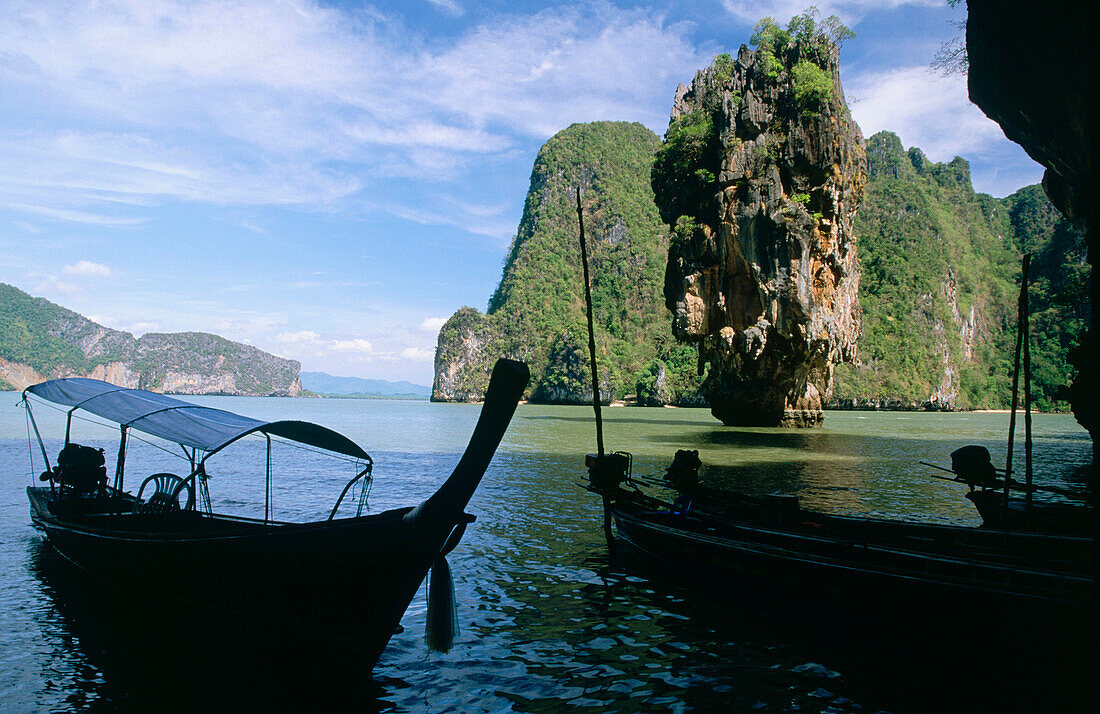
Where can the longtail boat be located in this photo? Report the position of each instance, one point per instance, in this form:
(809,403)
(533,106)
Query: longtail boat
(980,607)
(998,601)
(345,580)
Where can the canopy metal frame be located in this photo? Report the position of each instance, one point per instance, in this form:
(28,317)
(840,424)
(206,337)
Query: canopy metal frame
(307,434)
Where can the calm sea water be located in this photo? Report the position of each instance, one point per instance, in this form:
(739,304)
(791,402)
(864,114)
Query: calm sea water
(549,621)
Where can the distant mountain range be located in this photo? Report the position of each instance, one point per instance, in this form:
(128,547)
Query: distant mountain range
(326,384)
(40,340)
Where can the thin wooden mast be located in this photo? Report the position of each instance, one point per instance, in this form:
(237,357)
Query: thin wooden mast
(591,330)
(1021,332)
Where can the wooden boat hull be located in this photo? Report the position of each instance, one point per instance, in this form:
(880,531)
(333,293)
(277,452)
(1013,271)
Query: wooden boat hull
(787,558)
(1024,639)
(346,581)
(863,586)
(1041,518)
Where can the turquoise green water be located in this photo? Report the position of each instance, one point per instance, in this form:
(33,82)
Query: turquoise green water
(549,621)
(859,462)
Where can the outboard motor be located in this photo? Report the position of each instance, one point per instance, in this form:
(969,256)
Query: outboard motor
(683,473)
(79,468)
(606,472)
(972,465)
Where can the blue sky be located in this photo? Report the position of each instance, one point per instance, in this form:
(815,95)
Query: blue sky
(329,181)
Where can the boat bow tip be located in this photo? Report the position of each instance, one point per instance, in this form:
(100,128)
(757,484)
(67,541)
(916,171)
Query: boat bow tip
(506,385)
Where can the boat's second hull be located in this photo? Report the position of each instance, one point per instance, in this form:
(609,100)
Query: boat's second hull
(859,585)
(1011,645)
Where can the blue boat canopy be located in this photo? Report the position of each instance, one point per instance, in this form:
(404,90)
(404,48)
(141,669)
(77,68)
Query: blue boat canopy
(175,420)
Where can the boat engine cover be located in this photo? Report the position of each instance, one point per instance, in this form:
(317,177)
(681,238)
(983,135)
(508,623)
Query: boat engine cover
(81,468)
(607,471)
(972,465)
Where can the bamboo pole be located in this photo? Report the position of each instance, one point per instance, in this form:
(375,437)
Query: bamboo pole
(1026,316)
(1021,316)
(591,331)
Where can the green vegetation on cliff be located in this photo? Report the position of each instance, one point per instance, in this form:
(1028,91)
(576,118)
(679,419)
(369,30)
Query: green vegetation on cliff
(32,332)
(805,45)
(537,311)
(49,341)
(1058,294)
(940,277)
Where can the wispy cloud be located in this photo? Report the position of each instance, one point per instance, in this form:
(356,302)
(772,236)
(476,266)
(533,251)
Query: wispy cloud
(417,354)
(849,11)
(357,345)
(297,338)
(448,6)
(432,324)
(69,215)
(925,110)
(441,210)
(934,113)
(51,285)
(88,269)
(265,103)
(234,324)
(539,73)
(140,328)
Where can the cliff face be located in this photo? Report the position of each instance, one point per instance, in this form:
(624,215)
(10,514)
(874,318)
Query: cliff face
(759,178)
(463,357)
(537,312)
(40,341)
(937,287)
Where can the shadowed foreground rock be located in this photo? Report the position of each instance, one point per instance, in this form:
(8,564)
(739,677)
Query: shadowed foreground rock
(1031,71)
(759,178)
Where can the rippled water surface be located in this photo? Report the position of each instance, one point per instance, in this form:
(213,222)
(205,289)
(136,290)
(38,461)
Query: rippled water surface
(549,621)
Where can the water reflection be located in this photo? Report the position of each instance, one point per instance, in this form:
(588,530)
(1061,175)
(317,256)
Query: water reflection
(549,620)
(588,632)
(117,651)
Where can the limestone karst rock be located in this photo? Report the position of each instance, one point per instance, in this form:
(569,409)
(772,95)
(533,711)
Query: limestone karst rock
(759,178)
(537,312)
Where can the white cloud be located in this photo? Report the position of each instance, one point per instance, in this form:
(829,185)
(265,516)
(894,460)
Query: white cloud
(539,73)
(28,227)
(235,325)
(135,328)
(264,103)
(935,114)
(64,214)
(448,6)
(297,338)
(432,324)
(359,345)
(500,228)
(849,11)
(97,174)
(417,354)
(52,285)
(140,328)
(925,110)
(87,269)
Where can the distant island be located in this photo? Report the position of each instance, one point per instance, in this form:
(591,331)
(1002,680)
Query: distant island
(40,340)
(326,385)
